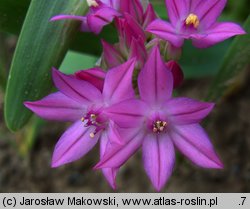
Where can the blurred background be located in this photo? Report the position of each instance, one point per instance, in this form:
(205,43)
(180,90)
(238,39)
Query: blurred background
(25,155)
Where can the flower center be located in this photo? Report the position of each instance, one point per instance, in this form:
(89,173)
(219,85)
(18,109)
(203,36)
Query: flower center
(92,119)
(159,126)
(92,3)
(193,20)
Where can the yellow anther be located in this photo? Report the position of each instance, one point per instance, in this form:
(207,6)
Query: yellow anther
(92,135)
(192,19)
(82,119)
(92,3)
(93,117)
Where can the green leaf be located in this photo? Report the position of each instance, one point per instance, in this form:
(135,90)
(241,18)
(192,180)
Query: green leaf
(233,69)
(12,14)
(41,45)
(75,61)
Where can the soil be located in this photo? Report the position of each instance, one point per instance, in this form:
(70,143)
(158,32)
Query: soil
(228,126)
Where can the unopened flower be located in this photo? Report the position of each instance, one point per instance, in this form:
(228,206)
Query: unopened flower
(83,103)
(195,20)
(177,73)
(159,124)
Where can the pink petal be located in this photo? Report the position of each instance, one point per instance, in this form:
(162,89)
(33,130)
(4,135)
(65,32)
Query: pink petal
(133,29)
(112,57)
(177,10)
(166,31)
(95,76)
(109,173)
(117,155)
(128,114)
(67,17)
(83,19)
(134,8)
(74,144)
(155,81)
(186,111)
(138,51)
(177,72)
(79,90)
(209,11)
(217,33)
(118,83)
(100,18)
(149,16)
(58,107)
(194,143)
(159,158)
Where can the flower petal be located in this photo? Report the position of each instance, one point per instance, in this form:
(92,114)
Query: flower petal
(177,72)
(134,8)
(112,57)
(79,90)
(194,143)
(74,144)
(217,33)
(166,31)
(185,111)
(69,17)
(149,16)
(155,81)
(177,9)
(95,76)
(58,107)
(109,173)
(118,83)
(128,114)
(83,19)
(159,158)
(209,11)
(100,18)
(138,51)
(117,154)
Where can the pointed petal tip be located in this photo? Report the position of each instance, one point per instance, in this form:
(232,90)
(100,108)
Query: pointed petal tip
(97,167)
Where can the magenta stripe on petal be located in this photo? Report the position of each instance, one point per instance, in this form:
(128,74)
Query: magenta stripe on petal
(159,158)
(166,31)
(79,90)
(95,76)
(194,143)
(118,83)
(155,81)
(57,107)
(74,144)
(186,111)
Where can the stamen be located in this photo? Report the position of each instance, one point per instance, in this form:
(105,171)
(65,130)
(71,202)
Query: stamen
(92,3)
(83,119)
(159,126)
(93,116)
(192,19)
(92,135)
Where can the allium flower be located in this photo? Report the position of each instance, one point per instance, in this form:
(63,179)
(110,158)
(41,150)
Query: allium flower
(132,36)
(159,124)
(196,20)
(83,103)
(102,12)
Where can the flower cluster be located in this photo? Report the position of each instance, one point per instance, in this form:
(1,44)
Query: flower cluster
(126,102)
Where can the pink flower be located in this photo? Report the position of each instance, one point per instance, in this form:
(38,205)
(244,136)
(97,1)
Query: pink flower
(84,103)
(160,124)
(102,12)
(195,20)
